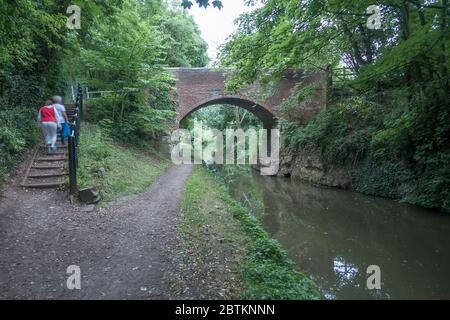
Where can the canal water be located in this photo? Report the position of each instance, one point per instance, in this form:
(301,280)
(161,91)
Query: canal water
(335,235)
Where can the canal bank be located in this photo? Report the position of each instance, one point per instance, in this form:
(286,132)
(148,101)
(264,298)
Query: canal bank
(334,235)
(225,253)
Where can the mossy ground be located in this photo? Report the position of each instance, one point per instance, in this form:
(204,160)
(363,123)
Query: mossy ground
(116,169)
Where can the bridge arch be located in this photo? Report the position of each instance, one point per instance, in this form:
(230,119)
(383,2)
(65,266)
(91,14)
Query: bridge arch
(196,88)
(263,113)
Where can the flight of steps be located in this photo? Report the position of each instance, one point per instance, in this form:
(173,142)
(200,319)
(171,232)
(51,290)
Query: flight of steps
(70,110)
(48,171)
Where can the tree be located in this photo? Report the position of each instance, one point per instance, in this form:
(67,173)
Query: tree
(203,3)
(402,67)
(122,46)
(126,54)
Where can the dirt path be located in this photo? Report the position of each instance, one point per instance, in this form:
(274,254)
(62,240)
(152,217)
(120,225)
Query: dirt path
(123,250)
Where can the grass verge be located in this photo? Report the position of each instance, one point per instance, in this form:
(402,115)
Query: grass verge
(113,168)
(227,254)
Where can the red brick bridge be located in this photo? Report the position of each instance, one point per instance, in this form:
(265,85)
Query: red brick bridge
(200,87)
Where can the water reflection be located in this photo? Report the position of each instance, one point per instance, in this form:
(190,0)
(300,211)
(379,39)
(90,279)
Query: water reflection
(344,271)
(334,235)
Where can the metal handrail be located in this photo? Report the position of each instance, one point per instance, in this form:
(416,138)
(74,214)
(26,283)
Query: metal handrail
(343,74)
(73,142)
(89,94)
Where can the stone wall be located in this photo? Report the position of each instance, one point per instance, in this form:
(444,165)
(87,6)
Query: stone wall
(308,165)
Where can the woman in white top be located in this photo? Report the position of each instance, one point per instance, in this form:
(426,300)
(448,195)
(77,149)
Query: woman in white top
(61,110)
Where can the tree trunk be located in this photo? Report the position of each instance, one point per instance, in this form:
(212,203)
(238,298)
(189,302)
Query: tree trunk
(443,66)
(356,51)
(367,43)
(426,60)
(237,117)
(405,32)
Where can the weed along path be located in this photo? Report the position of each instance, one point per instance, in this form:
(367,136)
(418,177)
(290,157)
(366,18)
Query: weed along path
(123,250)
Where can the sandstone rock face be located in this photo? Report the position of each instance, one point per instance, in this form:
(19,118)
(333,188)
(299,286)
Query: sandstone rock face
(308,165)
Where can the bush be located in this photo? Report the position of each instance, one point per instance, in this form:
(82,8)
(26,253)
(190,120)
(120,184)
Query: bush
(135,124)
(397,148)
(433,185)
(390,179)
(18,131)
(343,131)
(114,168)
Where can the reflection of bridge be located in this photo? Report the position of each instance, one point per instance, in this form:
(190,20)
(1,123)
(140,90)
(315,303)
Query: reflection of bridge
(201,87)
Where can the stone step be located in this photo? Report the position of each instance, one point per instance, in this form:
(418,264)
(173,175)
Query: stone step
(47,175)
(59,153)
(51,159)
(58,146)
(45,167)
(42,185)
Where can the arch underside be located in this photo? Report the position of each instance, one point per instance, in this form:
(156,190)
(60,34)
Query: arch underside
(267,117)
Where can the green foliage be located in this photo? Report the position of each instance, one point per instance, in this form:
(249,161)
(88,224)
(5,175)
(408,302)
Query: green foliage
(433,183)
(265,271)
(138,125)
(18,131)
(397,134)
(390,179)
(31,46)
(343,131)
(223,117)
(202,3)
(314,34)
(301,98)
(122,46)
(126,55)
(181,38)
(115,169)
(384,145)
